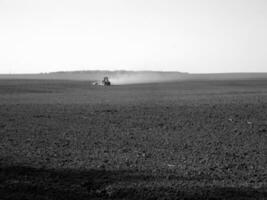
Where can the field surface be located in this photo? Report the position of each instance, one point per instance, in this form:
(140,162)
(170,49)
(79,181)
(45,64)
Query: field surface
(180,140)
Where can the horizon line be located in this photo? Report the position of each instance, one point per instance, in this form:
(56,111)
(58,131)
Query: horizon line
(123,70)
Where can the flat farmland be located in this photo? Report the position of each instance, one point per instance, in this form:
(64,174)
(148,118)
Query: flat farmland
(178,140)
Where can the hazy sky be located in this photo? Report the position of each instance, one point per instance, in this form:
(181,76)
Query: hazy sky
(178,35)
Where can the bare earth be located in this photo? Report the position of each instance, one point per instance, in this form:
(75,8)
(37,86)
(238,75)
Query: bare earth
(180,140)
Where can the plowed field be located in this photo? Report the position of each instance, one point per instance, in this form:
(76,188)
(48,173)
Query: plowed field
(182,140)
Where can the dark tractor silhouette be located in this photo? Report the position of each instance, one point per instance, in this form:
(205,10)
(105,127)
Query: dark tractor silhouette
(106,82)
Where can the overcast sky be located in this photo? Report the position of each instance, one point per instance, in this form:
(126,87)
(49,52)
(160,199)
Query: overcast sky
(197,36)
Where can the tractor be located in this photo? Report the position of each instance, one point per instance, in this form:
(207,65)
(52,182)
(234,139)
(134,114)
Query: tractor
(106,82)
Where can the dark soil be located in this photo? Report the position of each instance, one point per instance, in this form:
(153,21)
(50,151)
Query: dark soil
(184,140)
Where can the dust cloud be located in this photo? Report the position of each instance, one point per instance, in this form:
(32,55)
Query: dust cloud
(144,77)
